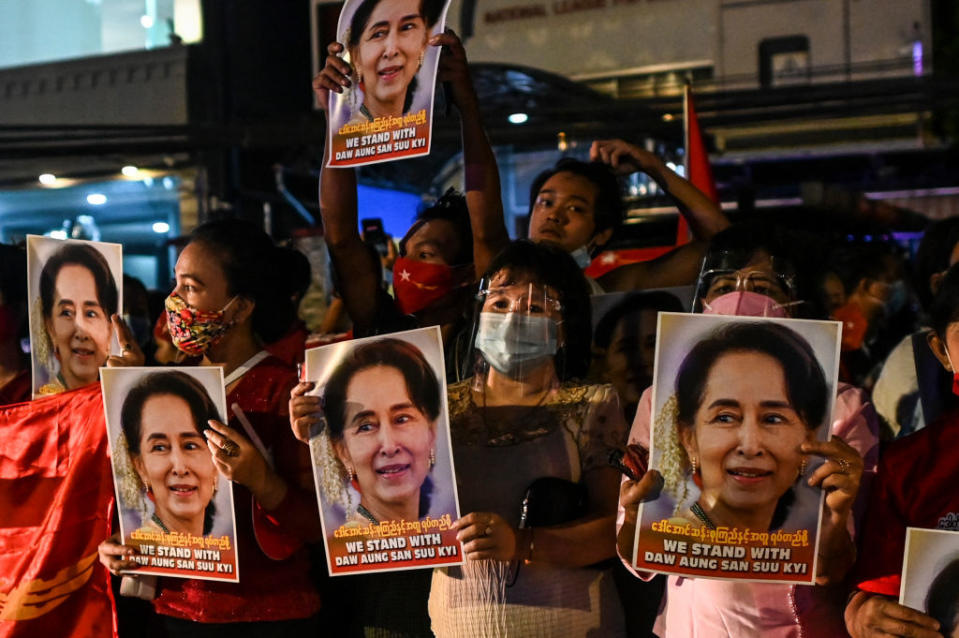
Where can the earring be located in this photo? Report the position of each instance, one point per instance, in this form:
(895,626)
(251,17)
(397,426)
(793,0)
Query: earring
(432,458)
(354,480)
(695,463)
(802,467)
(216,485)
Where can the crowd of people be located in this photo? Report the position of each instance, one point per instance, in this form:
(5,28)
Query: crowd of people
(534,392)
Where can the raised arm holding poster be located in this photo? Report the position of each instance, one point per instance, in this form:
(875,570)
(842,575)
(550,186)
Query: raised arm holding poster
(382,462)
(174,505)
(74,288)
(387,112)
(734,398)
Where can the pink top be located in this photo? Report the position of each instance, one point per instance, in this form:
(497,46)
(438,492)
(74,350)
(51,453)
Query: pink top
(699,607)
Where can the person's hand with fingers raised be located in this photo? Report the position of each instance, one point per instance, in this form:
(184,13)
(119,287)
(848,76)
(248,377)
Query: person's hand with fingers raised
(335,75)
(454,71)
(306,410)
(625,158)
(237,459)
(839,476)
(130,353)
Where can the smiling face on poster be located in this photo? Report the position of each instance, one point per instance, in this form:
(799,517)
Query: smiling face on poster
(174,506)
(387,112)
(382,462)
(74,288)
(734,399)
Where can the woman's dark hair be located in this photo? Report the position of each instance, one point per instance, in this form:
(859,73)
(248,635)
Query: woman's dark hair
(549,265)
(806,385)
(81,255)
(796,251)
(935,249)
(942,599)
(945,307)
(170,383)
(637,302)
(250,261)
(429,9)
(451,207)
(609,209)
(421,382)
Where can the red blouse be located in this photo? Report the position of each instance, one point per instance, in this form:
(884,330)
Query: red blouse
(268,589)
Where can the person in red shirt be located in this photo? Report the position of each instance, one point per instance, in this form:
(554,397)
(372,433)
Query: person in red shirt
(224,308)
(914,487)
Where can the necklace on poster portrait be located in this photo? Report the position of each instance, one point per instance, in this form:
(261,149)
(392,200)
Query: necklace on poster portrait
(701,515)
(156,519)
(365,513)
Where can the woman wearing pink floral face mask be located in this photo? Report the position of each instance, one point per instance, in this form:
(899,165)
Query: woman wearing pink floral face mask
(757,271)
(223,309)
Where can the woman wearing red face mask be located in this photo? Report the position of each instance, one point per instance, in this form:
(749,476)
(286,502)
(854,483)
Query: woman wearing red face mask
(913,489)
(755,271)
(223,309)
(448,244)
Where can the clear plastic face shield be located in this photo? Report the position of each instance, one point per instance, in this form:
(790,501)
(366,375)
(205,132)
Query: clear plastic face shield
(518,329)
(756,284)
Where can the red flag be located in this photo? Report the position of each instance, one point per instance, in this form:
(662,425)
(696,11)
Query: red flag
(697,161)
(56,495)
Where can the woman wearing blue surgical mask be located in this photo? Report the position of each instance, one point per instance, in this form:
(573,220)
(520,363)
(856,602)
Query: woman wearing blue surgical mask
(518,419)
(761,271)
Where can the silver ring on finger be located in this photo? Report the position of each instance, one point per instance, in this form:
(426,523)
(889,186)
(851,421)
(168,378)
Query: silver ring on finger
(843,465)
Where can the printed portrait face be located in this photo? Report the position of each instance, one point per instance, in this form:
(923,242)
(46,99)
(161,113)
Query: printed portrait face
(747,436)
(390,52)
(175,463)
(386,438)
(78,327)
(564,211)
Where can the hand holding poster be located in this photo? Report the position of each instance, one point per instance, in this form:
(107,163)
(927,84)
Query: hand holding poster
(930,576)
(382,462)
(386,112)
(734,401)
(74,289)
(175,508)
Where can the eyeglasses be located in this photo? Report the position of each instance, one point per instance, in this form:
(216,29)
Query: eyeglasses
(721,282)
(528,300)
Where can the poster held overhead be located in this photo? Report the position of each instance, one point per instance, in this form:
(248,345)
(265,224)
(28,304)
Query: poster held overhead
(387,111)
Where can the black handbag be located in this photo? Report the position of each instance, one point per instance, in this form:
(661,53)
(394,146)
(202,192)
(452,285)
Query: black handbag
(551,501)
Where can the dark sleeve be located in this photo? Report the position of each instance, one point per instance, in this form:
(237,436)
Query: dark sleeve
(882,538)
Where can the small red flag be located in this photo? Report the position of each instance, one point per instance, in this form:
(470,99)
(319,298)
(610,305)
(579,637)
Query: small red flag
(697,161)
(56,495)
